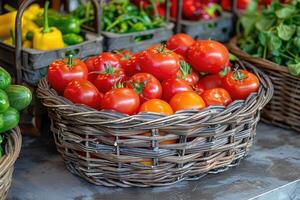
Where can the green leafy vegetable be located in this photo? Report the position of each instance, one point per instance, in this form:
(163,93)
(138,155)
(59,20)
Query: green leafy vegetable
(273,34)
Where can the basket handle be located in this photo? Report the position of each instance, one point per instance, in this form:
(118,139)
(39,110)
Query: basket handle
(18,32)
(179,14)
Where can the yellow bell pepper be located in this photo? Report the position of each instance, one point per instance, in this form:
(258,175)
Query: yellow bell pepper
(32,12)
(27,44)
(8,41)
(7,23)
(47,38)
(29,26)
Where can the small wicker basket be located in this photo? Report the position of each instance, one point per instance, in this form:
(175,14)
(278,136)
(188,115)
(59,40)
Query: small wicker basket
(113,149)
(12,151)
(284,108)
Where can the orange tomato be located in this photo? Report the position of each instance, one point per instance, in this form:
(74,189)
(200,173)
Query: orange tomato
(156,106)
(216,97)
(187,100)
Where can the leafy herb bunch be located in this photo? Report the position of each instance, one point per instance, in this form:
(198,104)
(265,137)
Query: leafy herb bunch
(273,34)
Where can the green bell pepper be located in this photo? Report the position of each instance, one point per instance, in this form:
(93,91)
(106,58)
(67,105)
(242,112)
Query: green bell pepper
(72,39)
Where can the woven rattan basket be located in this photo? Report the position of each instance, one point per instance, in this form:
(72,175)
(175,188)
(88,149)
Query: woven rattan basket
(12,151)
(112,149)
(284,108)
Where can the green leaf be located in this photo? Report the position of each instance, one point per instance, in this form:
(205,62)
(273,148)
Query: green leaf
(277,59)
(286,32)
(248,22)
(296,42)
(298,31)
(286,12)
(252,7)
(263,38)
(1,151)
(264,24)
(232,57)
(274,42)
(294,69)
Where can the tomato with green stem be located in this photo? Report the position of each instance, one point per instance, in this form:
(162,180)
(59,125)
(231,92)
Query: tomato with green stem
(99,63)
(187,73)
(146,85)
(240,84)
(61,72)
(106,80)
(160,62)
(124,56)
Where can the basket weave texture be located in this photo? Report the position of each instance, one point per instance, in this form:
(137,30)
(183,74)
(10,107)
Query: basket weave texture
(112,149)
(12,151)
(284,108)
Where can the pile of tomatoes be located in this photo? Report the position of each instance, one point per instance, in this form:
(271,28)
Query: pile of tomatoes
(183,74)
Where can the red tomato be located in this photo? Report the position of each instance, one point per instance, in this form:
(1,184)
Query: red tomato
(156,106)
(100,62)
(211,81)
(199,88)
(105,82)
(61,72)
(186,100)
(124,57)
(172,86)
(240,84)
(216,97)
(160,62)
(123,100)
(83,92)
(180,43)
(187,73)
(208,56)
(241,4)
(132,66)
(146,85)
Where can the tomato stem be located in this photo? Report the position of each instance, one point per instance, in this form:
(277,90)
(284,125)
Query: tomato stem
(238,75)
(108,69)
(118,85)
(70,60)
(185,69)
(224,71)
(139,87)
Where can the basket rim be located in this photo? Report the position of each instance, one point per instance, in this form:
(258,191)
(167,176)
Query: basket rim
(13,148)
(113,119)
(232,45)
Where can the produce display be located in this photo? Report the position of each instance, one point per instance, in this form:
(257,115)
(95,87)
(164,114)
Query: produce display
(125,16)
(197,9)
(13,99)
(43,29)
(273,34)
(163,78)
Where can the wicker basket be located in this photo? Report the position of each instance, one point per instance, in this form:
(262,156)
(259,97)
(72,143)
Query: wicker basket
(12,150)
(284,108)
(112,149)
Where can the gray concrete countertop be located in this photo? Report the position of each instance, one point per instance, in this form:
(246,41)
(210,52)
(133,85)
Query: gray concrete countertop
(271,171)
